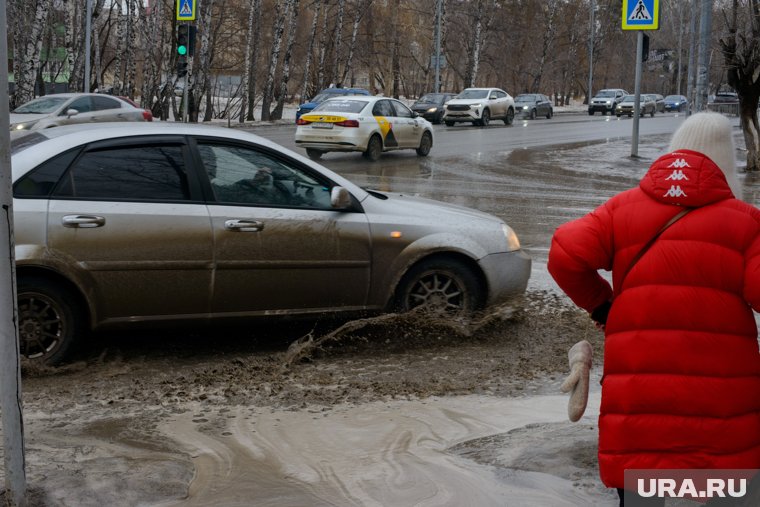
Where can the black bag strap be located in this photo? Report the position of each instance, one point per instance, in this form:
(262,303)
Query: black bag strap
(646,247)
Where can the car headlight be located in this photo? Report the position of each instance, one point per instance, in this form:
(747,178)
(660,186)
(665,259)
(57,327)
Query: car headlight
(525,107)
(512,242)
(23,125)
(609,102)
(476,106)
(432,110)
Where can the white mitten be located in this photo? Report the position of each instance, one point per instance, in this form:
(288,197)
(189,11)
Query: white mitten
(579,356)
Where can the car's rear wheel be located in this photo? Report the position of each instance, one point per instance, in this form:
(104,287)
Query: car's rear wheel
(550,114)
(50,320)
(442,286)
(374,148)
(486,118)
(651,114)
(510,118)
(591,113)
(426,142)
(314,154)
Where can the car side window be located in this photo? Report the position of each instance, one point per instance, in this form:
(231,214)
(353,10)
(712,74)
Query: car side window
(39,182)
(383,108)
(103,103)
(129,173)
(401,110)
(82,104)
(243,175)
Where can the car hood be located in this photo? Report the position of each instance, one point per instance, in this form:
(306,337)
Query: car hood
(466,101)
(25,117)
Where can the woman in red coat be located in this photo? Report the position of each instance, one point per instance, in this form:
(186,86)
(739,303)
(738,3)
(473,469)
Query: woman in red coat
(681,383)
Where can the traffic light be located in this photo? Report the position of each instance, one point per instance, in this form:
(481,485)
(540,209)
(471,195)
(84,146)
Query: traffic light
(181,66)
(645,49)
(183,39)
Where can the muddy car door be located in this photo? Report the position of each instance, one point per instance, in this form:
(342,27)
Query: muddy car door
(279,245)
(130,223)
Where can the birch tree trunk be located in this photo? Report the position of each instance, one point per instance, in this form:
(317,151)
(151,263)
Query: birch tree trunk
(150,34)
(274,58)
(72,32)
(247,67)
(322,53)
(361,8)
(292,19)
(130,65)
(120,40)
(473,59)
(306,89)
(396,56)
(338,39)
(28,67)
(550,34)
(200,73)
(251,91)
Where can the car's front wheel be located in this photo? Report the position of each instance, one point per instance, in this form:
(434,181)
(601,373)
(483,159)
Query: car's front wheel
(50,320)
(550,114)
(510,117)
(314,154)
(449,123)
(486,118)
(374,148)
(442,286)
(532,114)
(426,142)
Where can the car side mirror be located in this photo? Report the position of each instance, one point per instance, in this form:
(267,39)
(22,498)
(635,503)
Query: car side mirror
(71,112)
(415,114)
(340,198)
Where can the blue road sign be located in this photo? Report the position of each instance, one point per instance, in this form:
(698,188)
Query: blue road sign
(641,14)
(186,10)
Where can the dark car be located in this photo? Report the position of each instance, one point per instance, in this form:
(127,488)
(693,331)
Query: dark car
(531,105)
(725,97)
(325,94)
(430,106)
(676,103)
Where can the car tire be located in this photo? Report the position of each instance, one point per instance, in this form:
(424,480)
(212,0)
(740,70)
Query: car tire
(426,142)
(651,114)
(50,320)
(616,114)
(314,154)
(510,118)
(449,123)
(442,284)
(486,118)
(591,113)
(550,114)
(532,114)
(374,148)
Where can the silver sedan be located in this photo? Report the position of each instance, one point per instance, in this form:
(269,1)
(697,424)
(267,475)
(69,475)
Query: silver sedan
(118,224)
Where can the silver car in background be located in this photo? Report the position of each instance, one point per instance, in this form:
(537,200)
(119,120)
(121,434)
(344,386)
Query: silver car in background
(121,224)
(69,108)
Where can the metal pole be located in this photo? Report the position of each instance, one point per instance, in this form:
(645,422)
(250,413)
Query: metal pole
(87,44)
(637,92)
(592,31)
(10,368)
(692,55)
(438,46)
(705,22)
(680,46)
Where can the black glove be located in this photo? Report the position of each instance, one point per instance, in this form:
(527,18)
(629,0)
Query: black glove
(599,315)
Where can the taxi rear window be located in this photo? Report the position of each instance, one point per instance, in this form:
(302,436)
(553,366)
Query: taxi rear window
(342,106)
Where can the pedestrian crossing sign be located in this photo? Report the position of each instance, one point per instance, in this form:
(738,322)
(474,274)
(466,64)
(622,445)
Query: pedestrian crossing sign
(186,10)
(641,14)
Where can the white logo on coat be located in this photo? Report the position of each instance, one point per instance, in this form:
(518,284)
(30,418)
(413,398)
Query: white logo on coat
(680,163)
(675,191)
(677,175)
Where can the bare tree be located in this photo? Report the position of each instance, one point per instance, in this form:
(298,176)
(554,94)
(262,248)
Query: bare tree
(274,58)
(338,39)
(31,21)
(254,7)
(306,89)
(253,45)
(292,18)
(741,51)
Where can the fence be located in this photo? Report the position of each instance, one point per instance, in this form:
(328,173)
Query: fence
(729,108)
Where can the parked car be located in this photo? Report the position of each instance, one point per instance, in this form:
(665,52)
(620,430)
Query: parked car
(430,106)
(370,125)
(659,102)
(147,114)
(676,103)
(647,105)
(480,106)
(606,101)
(725,97)
(118,225)
(68,108)
(533,104)
(325,94)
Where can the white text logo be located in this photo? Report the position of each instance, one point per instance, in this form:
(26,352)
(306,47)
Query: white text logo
(675,191)
(679,162)
(686,488)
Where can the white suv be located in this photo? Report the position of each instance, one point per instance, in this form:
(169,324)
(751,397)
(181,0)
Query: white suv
(605,101)
(480,106)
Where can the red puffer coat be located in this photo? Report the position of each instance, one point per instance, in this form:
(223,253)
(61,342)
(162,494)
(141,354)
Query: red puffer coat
(681,384)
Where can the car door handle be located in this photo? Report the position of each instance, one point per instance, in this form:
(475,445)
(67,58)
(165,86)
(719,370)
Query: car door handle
(244,225)
(83,221)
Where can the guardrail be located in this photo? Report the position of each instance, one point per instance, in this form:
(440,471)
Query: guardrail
(729,108)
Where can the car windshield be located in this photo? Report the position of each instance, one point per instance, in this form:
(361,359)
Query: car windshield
(431,98)
(606,93)
(473,94)
(630,98)
(673,97)
(321,97)
(342,106)
(41,105)
(525,98)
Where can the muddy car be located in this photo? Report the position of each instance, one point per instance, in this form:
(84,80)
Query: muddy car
(122,224)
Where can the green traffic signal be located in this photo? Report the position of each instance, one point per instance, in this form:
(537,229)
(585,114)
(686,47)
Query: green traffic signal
(182,50)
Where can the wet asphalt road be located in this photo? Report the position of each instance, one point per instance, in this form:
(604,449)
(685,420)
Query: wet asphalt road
(535,174)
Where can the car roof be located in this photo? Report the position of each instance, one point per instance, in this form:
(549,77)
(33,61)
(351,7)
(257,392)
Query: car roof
(59,139)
